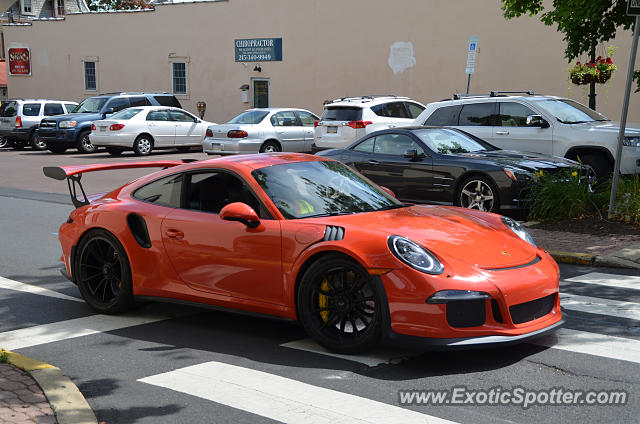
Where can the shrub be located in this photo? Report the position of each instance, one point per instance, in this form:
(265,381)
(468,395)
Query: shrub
(628,200)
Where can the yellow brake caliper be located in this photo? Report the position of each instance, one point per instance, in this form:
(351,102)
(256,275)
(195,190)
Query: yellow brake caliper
(323,301)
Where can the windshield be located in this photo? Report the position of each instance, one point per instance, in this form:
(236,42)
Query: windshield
(570,112)
(90,105)
(125,114)
(321,188)
(448,142)
(249,117)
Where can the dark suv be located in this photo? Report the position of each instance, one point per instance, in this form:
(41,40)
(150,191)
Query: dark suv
(72,130)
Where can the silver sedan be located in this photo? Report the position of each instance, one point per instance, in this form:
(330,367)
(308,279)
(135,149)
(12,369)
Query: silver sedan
(262,130)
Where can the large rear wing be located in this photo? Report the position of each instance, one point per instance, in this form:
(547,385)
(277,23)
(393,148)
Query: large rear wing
(73,174)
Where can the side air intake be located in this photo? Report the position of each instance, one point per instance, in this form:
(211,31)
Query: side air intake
(333,233)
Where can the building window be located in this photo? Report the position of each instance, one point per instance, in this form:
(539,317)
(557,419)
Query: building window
(26,6)
(90,82)
(179,77)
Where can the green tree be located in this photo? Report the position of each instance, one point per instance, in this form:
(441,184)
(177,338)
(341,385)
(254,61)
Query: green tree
(584,23)
(99,5)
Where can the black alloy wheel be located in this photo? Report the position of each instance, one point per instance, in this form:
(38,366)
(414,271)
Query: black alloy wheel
(103,274)
(339,305)
(478,192)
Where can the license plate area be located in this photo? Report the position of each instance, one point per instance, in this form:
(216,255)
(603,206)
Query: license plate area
(103,129)
(332,130)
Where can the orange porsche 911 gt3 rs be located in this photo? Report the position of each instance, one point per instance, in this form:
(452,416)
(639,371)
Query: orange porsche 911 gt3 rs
(307,238)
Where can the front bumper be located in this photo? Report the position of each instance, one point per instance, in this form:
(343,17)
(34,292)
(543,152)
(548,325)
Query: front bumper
(58,137)
(220,146)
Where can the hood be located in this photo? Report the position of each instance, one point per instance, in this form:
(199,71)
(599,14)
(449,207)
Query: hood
(477,238)
(525,160)
(609,127)
(78,117)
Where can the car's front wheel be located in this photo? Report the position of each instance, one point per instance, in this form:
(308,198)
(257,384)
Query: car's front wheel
(339,305)
(103,273)
(36,142)
(84,143)
(478,192)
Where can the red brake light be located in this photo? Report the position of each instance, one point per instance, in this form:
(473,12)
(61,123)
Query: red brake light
(18,122)
(237,134)
(209,133)
(315,124)
(93,127)
(359,124)
(116,127)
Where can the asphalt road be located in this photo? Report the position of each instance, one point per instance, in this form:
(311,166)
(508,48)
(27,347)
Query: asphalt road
(164,363)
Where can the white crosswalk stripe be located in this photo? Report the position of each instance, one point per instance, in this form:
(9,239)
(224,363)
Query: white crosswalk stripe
(601,306)
(609,280)
(280,398)
(6,283)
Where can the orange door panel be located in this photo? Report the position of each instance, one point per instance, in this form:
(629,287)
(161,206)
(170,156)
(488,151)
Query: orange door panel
(225,257)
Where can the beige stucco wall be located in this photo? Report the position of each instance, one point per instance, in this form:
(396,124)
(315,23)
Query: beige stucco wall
(331,48)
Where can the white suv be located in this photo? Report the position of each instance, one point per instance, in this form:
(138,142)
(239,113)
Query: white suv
(542,124)
(346,120)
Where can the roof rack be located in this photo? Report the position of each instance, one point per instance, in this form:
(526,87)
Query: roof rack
(369,97)
(458,96)
(128,93)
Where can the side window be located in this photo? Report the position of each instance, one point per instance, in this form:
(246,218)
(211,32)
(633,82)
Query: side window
(391,110)
(414,109)
(163,192)
(443,116)
(395,144)
(307,119)
(477,114)
(69,107)
(513,114)
(366,146)
(118,103)
(31,109)
(51,109)
(211,191)
(158,115)
(180,116)
(167,100)
(284,119)
(139,101)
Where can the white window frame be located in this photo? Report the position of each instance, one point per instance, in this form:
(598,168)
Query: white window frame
(85,60)
(185,60)
(23,4)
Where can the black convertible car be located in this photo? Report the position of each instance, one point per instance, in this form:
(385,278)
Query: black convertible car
(447,165)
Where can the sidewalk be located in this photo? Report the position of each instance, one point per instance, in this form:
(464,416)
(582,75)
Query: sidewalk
(35,392)
(612,250)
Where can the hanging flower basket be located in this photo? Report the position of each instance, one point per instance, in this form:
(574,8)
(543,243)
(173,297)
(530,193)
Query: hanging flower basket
(603,76)
(581,78)
(599,70)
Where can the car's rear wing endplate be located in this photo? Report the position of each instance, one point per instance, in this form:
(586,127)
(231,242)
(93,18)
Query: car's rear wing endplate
(73,174)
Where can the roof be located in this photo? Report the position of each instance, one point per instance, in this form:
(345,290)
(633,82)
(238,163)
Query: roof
(364,100)
(261,160)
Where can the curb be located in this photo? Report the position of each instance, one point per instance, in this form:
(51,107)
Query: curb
(609,261)
(65,399)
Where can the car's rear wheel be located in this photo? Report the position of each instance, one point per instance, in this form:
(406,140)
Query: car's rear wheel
(339,305)
(114,151)
(3,142)
(103,273)
(478,192)
(36,142)
(143,145)
(270,147)
(84,143)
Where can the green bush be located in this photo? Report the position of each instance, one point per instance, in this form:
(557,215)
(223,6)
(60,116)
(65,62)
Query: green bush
(628,200)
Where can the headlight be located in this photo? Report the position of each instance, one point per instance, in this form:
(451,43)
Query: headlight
(517,174)
(518,230)
(414,255)
(631,141)
(67,124)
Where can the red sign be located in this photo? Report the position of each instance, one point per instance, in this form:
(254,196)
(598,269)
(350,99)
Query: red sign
(19,61)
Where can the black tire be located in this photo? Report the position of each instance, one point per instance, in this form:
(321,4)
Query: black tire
(114,151)
(36,142)
(601,166)
(337,294)
(270,146)
(84,144)
(56,149)
(478,192)
(143,145)
(3,142)
(103,274)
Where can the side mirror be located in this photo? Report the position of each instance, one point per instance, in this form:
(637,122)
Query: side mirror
(537,121)
(413,155)
(108,111)
(240,212)
(388,191)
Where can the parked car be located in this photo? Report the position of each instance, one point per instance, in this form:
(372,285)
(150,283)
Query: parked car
(543,124)
(20,119)
(63,132)
(446,165)
(306,238)
(263,130)
(143,129)
(347,119)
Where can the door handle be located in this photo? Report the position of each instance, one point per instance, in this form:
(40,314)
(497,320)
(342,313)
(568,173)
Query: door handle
(502,132)
(172,233)
(373,162)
